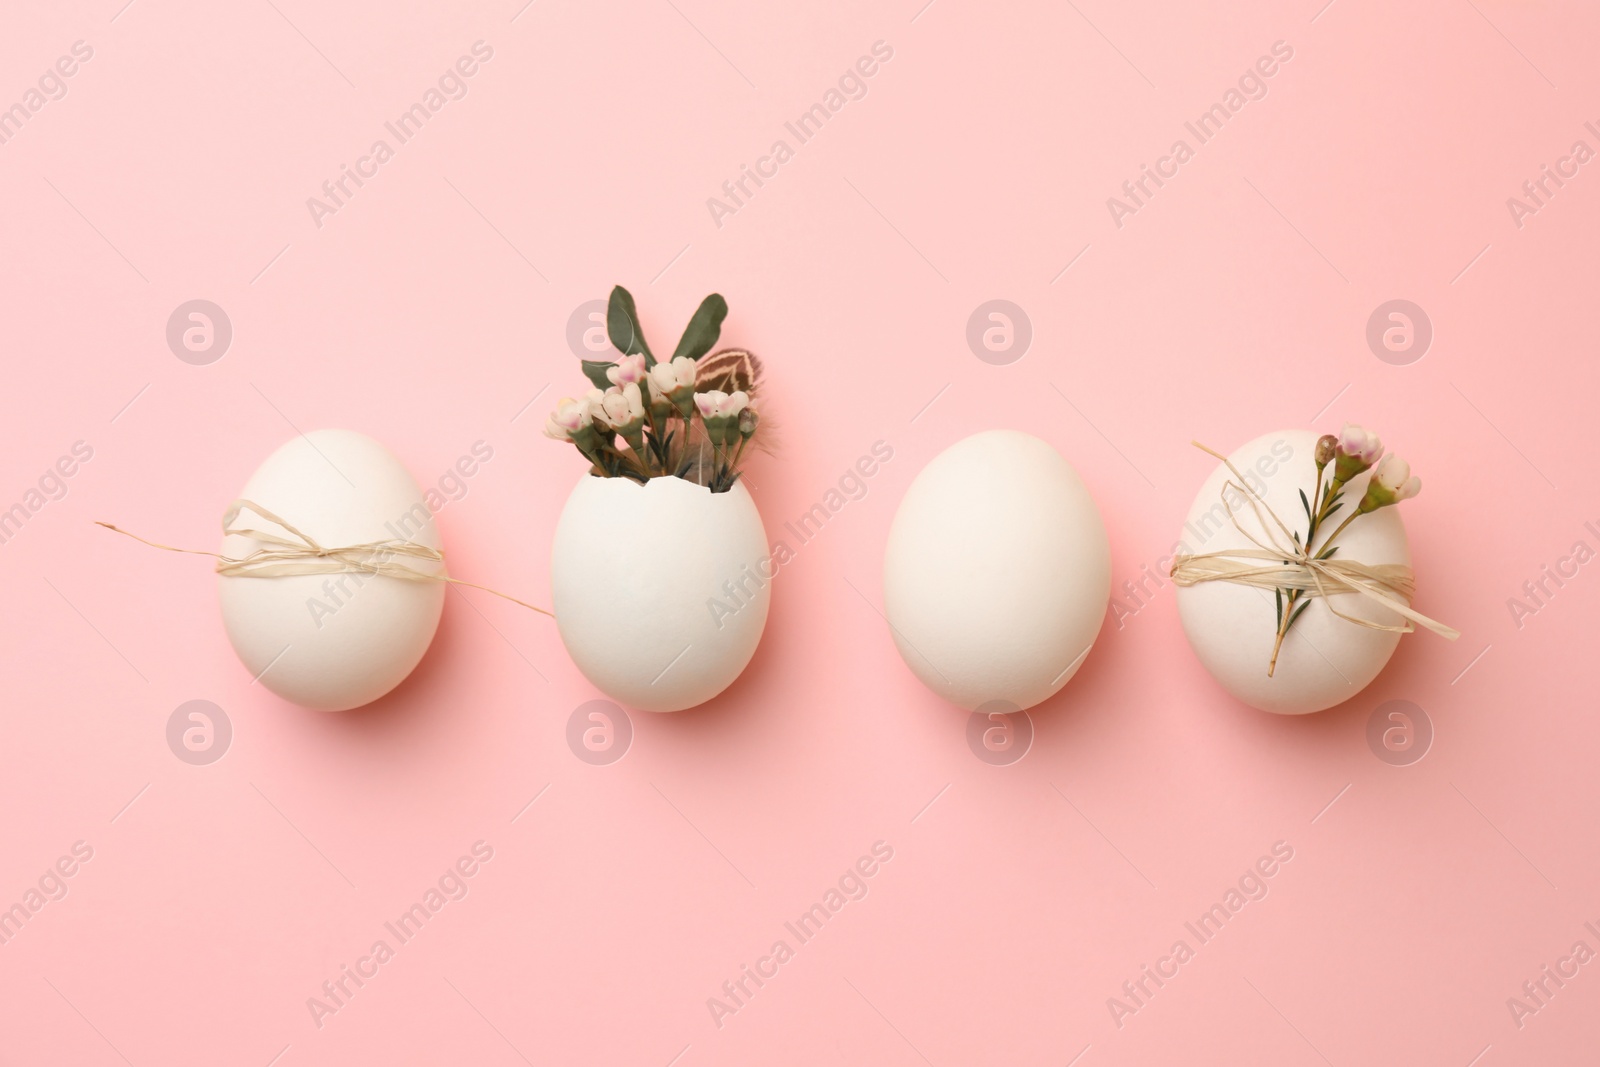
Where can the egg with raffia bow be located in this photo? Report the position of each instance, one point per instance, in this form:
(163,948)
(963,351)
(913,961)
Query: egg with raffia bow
(1324,660)
(997,572)
(332,640)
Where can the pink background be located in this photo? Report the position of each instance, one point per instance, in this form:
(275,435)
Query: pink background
(433,306)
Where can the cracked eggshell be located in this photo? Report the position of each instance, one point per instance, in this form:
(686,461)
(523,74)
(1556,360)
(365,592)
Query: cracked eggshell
(333,641)
(997,572)
(660,590)
(1325,660)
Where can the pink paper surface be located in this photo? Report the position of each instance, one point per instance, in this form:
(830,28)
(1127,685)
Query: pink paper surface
(430,308)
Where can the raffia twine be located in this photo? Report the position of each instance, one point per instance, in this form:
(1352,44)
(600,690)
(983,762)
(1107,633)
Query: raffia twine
(1279,561)
(299,553)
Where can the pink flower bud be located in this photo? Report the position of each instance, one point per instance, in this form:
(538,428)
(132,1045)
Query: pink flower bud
(1357,450)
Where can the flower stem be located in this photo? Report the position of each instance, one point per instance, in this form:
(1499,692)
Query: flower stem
(640,455)
(655,431)
(1294,595)
(1283,628)
(1354,515)
(1311,531)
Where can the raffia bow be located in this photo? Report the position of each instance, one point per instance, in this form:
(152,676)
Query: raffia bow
(300,553)
(1280,561)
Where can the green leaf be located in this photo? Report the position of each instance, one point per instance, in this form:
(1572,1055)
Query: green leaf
(1277,594)
(622,326)
(1331,512)
(1328,552)
(1305,503)
(1300,612)
(704,329)
(595,371)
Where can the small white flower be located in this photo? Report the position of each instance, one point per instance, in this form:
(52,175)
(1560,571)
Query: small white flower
(622,408)
(709,402)
(715,404)
(1391,483)
(628,369)
(1394,474)
(569,417)
(667,378)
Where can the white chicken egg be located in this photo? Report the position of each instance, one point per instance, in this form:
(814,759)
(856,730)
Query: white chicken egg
(997,572)
(333,641)
(1325,660)
(660,590)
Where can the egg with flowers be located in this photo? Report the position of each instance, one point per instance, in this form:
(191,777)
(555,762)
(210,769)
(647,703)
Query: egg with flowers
(660,575)
(1293,569)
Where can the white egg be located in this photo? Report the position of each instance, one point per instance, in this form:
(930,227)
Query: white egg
(660,590)
(333,641)
(1325,660)
(997,572)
